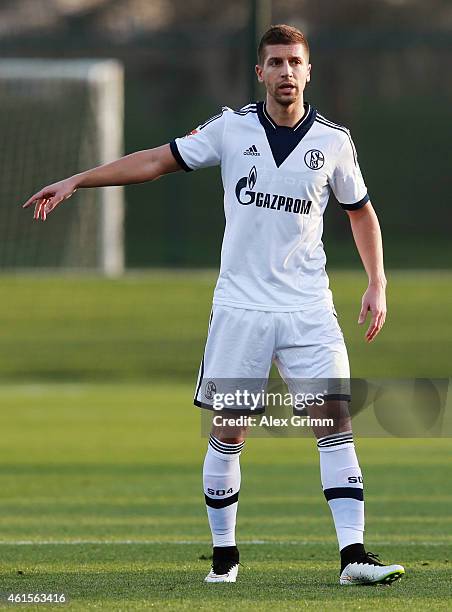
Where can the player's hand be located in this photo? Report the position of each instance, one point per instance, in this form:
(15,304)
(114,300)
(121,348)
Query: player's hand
(374,300)
(48,198)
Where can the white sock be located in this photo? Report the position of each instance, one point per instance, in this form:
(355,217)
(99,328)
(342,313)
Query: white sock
(221,478)
(343,486)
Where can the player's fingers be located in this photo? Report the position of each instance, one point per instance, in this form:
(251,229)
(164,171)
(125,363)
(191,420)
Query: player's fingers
(42,210)
(40,213)
(363,313)
(372,326)
(34,198)
(376,327)
(373,334)
(381,322)
(52,204)
(37,209)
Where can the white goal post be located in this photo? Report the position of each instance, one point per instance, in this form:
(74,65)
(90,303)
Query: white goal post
(57,118)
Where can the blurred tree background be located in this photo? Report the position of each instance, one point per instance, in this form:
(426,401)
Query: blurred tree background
(379,66)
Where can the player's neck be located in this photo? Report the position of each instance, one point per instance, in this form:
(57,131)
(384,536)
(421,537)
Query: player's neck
(285,115)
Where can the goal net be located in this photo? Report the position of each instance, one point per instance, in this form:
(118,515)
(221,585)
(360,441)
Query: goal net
(57,118)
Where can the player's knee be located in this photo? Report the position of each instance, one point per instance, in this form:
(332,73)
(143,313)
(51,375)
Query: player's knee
(330,418)
(230,434)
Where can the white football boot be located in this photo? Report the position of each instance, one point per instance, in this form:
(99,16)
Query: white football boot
(225,565)
(229,575)
(369,570)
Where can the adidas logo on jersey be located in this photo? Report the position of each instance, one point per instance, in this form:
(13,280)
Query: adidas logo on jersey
(251,151)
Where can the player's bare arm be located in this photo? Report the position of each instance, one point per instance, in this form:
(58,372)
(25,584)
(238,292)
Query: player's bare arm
(367,236)
(138,167)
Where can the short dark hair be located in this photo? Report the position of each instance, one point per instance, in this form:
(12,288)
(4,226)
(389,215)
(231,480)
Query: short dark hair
(281,35)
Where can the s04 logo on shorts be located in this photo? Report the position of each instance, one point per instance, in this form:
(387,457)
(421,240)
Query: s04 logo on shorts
(210,390)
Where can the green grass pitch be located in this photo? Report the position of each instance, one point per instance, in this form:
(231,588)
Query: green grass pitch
(101,453)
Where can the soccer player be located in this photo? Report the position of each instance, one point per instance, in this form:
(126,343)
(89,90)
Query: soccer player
(280,159)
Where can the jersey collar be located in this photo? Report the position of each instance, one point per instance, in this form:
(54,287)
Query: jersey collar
(268,122)
(283,139)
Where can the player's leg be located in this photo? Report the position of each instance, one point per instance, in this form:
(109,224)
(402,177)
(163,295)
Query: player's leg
(342,484)
(238,355)
(313,354)
(340,473)
(221,481)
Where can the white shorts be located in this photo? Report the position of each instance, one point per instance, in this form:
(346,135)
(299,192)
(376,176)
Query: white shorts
(306,346)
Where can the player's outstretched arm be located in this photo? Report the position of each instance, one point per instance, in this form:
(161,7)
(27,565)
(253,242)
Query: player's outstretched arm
(138,167)
(367,235)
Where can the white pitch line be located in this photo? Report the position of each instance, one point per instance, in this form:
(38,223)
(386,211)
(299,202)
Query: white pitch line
(200,542)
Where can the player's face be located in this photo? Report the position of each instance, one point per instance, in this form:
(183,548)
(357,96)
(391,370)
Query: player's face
(285,72)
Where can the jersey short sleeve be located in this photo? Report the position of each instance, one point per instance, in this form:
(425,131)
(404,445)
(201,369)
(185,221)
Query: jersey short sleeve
(203,146)
(347,181)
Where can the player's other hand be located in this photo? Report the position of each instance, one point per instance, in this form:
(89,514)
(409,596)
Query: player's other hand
(48,198)
(374,300)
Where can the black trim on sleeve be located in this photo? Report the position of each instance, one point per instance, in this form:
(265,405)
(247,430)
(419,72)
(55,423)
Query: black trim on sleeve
(356,205)
(178,157)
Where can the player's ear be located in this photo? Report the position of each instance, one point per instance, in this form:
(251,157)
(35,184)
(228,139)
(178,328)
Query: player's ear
(308,77)
(258,70)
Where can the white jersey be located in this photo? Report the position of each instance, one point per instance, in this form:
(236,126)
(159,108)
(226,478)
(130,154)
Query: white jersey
(277,181)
